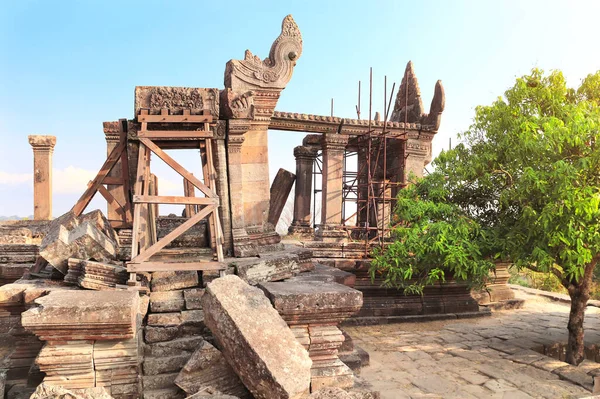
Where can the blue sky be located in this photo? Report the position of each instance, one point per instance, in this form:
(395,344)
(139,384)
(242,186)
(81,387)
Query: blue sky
(67,66)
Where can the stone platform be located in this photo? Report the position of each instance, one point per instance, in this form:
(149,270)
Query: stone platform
(493,357)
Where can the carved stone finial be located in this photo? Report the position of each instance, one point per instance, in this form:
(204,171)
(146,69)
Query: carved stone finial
(408,106)
(438,103)
(273,72)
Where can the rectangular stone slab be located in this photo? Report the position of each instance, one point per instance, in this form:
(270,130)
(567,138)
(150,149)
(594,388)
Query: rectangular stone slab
(255,340)
(313,301)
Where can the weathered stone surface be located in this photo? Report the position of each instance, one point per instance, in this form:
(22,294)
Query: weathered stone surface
(175,280)
(255,340)
(338,393)
(166,364)
(311,301)
(327,274)
(166,302)
(164,319)
(195,237)
(87,237)
(208,369)
(192,298)
(45,391)
(155,98)
(174,347)
(83,315)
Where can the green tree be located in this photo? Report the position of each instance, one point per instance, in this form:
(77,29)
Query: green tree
(527,176)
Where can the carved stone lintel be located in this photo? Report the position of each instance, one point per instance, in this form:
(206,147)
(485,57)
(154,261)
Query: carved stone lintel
(42,143)
(176,99)
(275,71)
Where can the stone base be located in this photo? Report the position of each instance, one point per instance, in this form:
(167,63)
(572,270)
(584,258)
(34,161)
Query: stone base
(301,230)
(335,234)
(333,373)
(248,245)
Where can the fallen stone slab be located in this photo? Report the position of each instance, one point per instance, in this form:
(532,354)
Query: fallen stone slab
(46,391)
(83,315)
(255,340)
(89,236)
(208,369)
(275,266)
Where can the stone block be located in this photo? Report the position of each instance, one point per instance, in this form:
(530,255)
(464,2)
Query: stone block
(166,302)
(192,298)
(161,365)
(174,347)
(208,369)
(271,267)
(164,319)
(280,191)
(174,280)
(83,315)
(255,340)
(159,381)
(88,237)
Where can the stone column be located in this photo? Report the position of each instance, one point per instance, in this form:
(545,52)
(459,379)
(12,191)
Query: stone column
(417,154)
(222,182)
(43,147)
(331,205)
(111,134)
(305,158)
(242,246)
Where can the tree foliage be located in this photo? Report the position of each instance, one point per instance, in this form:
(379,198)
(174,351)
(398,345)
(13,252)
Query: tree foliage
(523,185)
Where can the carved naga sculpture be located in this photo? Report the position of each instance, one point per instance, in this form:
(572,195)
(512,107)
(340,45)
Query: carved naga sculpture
(272,73)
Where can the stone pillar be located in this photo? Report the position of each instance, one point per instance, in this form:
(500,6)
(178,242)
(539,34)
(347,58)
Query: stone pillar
(305,158)
(111,134)
(417,154)
(242,246)
(331,205)
(222,185)
(43,147)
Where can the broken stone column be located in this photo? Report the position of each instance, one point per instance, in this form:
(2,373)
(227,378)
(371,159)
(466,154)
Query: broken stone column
(313,310)
(330,229)
(43,147)
(280,191)
(305,158)
(255,340)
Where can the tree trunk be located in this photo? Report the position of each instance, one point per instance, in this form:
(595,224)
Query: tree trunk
(579,293)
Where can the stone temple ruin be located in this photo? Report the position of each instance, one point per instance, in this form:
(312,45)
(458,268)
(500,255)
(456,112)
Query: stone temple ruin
(134,304)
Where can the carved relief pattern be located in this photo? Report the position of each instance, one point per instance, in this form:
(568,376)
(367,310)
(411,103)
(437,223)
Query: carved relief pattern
(176,99)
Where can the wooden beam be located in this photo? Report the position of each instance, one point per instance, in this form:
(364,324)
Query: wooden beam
(137,209)
(166,240)
(115,181)
(175,134)
(123,130)
(178,168)
(112,202)
(166,266)
(158,199)
(175,118)
(87,196)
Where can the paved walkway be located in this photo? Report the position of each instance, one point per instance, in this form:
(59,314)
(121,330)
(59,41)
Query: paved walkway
(490,357)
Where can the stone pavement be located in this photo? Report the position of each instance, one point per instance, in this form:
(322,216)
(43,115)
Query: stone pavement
(490,357)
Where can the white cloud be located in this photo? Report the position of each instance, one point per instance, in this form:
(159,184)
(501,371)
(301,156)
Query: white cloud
(71,180)
(15,178)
